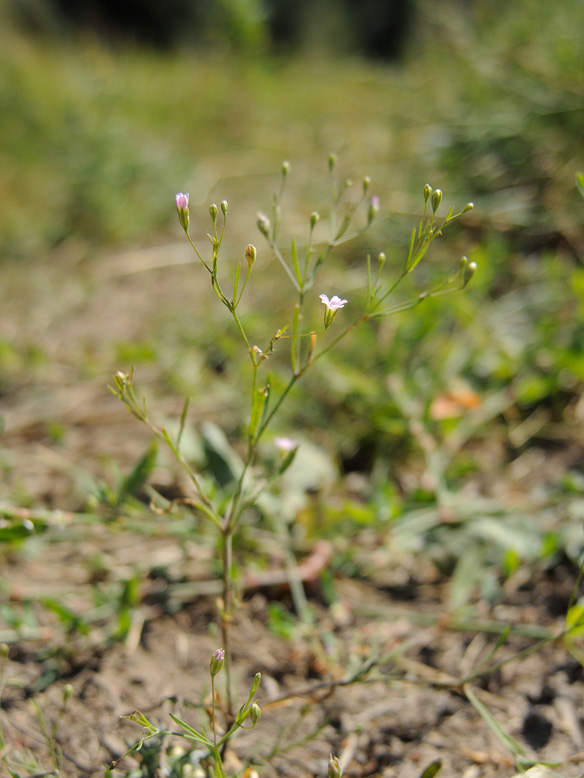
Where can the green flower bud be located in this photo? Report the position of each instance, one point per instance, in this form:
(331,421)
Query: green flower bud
(373,209)
(335,769)
(469,272)
(250,255)
(67,692)
(332,160)
(255,684)
(263,224)
(255,713)
(213,210)
(121,380)
(468,207)
(436,199)
(285,168)
(427,192)
(224,207)
(314,218)
(381,260)
(366,184)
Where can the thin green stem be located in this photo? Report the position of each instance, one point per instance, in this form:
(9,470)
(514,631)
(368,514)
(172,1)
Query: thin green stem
(213,710)
(284,264)
(227,611)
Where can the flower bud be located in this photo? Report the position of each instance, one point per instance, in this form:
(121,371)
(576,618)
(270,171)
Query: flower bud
(469,272)
(332,160)
(182,207)
(285,168)
(427,192)
(254,713)
(67,692)
(314,218)
(250,255)
(217,662)
(381,260)
(335,769)
(263,224)
(255,684)
(468,207)
(436,199)
(373,209)
(224,207)
(366,184)
(121,381)
(213,210)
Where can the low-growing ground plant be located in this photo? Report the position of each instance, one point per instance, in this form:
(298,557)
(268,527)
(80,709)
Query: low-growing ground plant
(248,473)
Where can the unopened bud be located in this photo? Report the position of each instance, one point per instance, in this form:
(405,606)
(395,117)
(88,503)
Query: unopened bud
(285,168)
(217,662)
(254,713)
(381,260)
(67,692)
(468,207)
(224,207)
(263,224)
(314,218)
(332,160)
(366,184)
(469,272)
(335,769)
(250,255)
(121,380)
(427,192)
(255,684)
(436,199)
(213,210)
(373,208)
(182,207)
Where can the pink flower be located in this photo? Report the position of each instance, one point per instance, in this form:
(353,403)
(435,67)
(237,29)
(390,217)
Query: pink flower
(182,207)
(334,303)
(332,306)
(285,444)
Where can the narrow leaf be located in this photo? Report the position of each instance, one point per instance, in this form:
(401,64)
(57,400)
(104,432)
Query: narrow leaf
(193,734)
(344,226)
(410,251)
(432,769)
(510,743)
(294,254)
(183,418)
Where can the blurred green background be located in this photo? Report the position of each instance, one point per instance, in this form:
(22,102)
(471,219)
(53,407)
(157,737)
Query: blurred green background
(107,110)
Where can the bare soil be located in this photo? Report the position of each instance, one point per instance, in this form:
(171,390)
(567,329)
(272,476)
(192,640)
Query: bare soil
(408,709)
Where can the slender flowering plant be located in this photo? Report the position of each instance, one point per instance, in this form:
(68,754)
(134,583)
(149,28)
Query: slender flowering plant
(346,219)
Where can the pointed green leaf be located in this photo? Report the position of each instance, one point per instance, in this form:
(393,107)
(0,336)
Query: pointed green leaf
(510,743)
(294,254)
(192,733)
(432,769)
